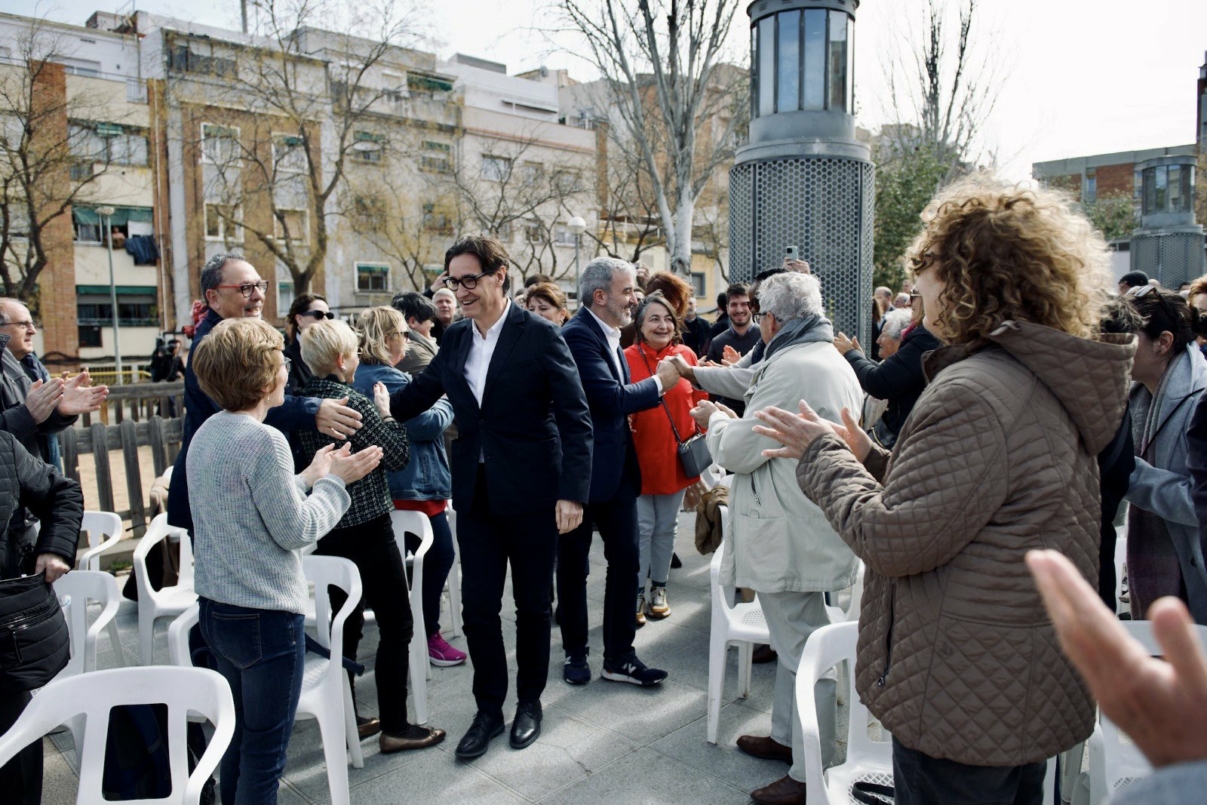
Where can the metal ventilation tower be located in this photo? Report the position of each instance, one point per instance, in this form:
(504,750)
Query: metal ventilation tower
(1169,244)
(804,180)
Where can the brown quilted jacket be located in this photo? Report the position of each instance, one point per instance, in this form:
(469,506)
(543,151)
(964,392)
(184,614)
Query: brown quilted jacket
(956,655)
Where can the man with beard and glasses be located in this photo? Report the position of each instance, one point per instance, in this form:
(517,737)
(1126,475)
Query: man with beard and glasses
(742,336)
(607,290)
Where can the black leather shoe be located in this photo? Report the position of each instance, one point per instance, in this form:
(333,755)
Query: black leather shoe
(477,739)
(527,725)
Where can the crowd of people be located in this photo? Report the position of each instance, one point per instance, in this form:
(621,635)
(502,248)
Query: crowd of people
(1015,404)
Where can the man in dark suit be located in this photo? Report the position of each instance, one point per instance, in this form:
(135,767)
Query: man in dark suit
(593,335)
(521,472)
(233,289)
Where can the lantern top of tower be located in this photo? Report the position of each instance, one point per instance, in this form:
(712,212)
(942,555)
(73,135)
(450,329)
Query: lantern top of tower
(762,8)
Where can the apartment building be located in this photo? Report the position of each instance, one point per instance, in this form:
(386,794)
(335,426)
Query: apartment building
(350,182)
(86,91)
(522,174)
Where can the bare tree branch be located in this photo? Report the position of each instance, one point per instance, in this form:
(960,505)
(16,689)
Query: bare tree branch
(667,88)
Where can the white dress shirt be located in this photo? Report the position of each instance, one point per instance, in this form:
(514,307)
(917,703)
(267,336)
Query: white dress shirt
(612,335)
(481,350)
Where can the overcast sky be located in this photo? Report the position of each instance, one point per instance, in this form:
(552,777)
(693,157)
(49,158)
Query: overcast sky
(1078,76)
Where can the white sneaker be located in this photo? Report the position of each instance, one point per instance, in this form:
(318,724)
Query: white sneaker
(640,609)
(659,608)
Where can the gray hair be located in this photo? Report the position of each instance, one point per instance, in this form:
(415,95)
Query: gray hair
(211,275)
(5,301)
(895,322)
(790,296)
(597,276)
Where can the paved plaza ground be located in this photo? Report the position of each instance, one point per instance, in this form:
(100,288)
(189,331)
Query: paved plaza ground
(606,743)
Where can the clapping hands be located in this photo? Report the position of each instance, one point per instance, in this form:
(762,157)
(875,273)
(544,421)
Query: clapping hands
(797,431)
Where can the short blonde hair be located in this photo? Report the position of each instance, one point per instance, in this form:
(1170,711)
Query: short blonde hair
(1007,253)
(1199,286)
(237,363)
(377,325)
(324,342)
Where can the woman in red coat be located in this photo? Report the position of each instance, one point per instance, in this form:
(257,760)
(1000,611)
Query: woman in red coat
(663,481)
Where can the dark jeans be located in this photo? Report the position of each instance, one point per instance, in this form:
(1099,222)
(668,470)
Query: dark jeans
(488,543)
(919,779)
(436,566)
(372,548)
(261,653)
(21,777)
(617,521)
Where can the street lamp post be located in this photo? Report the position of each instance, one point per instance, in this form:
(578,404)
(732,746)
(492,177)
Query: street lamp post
(577,227)
(106,214)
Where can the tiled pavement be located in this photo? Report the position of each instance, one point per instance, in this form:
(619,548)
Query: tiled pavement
(600,743)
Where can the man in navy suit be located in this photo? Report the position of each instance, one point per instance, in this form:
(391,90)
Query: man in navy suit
(521,473)
(593,335)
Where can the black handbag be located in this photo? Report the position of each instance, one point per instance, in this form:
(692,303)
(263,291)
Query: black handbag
(694,456)
(34,641)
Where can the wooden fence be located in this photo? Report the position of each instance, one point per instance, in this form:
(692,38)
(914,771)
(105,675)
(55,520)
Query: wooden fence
(139,402)
(163,436)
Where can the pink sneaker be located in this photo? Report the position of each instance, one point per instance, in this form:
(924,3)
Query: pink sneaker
(441,653)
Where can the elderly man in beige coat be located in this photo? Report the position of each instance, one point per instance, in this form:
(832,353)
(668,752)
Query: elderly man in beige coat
(782,545)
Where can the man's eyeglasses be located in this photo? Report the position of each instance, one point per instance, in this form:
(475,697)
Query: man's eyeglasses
(248,288)
(288,363)
(756,317)
(317,315)
(24,325)
(468,283)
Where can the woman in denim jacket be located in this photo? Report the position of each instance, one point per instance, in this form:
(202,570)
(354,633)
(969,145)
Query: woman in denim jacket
(425,484)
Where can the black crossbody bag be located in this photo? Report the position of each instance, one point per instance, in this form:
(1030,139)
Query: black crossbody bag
(694,456)
(34,641)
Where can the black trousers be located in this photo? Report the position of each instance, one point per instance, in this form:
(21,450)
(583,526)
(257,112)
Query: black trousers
(372,548)
(919,779)
(21,777)
(488,543)
(617,522)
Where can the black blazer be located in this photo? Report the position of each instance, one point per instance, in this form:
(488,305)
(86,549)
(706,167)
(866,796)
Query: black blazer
(533,425)
(612,398)
(899,379)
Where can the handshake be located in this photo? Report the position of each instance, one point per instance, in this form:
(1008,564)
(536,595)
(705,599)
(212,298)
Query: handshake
(669,371)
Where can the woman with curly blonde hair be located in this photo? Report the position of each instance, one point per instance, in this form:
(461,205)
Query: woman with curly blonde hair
(956,655)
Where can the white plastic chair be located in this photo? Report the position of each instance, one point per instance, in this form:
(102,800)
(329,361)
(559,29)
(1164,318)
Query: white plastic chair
(75,590)
(867,760)
(453,584)
(326,694)
(167,601)
(104,530)
(1121,607)
(405,522)
(86,701)
(741,623)
(1116,762)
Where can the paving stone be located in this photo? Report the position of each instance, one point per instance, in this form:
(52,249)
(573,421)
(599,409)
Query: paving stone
(435,779)
(648,779)
(643,715)
(569,749)
(690,746)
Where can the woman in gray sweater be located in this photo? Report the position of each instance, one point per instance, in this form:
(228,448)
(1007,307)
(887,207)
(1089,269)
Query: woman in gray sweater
(251,515)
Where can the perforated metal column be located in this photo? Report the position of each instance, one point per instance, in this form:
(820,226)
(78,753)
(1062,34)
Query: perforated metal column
(1170,257)
(824,207)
